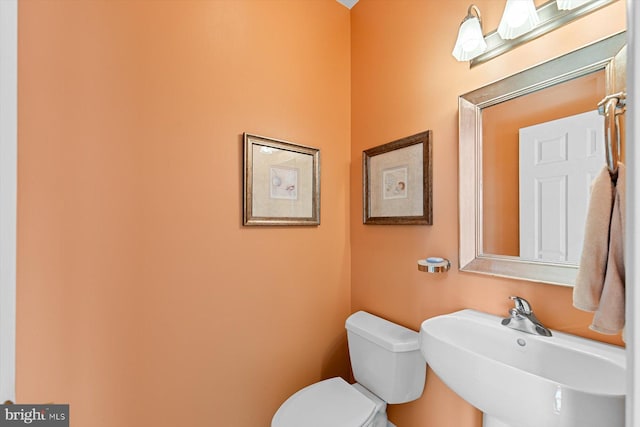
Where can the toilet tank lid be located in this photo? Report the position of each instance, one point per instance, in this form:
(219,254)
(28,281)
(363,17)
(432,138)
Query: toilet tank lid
(386,334)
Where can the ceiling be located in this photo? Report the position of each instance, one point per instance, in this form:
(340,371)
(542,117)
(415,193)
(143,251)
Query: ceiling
(348,3)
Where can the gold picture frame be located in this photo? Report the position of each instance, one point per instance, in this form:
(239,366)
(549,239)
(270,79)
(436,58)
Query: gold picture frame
(397,181)
(281,182)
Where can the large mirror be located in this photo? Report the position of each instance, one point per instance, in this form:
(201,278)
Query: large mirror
(520,216)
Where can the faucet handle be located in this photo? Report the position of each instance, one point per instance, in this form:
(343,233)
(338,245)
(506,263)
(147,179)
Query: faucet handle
(522,304)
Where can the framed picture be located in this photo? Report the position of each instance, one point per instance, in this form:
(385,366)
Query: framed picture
(281,182)
(397,181)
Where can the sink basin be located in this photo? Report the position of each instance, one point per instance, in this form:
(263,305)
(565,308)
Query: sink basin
(525,380)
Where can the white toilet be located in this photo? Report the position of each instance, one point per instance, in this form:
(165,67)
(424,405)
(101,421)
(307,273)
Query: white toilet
(388,367)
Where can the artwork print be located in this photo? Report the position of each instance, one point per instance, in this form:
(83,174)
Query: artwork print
(281,182)
(396,182)
(284,183)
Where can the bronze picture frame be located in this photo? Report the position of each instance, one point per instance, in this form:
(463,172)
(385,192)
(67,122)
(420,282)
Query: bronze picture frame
(397,182)
(281,182)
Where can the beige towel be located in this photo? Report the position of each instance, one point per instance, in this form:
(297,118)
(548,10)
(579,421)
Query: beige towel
(600,285)
(595,249)
(609,317)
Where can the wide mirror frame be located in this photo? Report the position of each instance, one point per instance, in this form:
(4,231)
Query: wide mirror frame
(586,60)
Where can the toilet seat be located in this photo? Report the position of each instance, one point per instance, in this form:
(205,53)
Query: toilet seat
(333,402)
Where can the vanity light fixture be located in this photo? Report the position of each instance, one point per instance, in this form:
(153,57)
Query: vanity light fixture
(521,22)
(519,17)
(470,42)
(570,4)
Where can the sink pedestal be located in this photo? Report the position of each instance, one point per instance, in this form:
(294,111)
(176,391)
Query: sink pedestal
(489,421)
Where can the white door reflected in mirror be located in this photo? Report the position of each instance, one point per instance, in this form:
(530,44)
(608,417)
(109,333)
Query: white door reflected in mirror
(559,160)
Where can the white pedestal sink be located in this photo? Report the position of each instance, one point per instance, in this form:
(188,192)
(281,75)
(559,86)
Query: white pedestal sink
(523,380)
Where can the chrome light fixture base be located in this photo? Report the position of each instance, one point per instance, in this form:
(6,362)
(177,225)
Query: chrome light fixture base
(551,18)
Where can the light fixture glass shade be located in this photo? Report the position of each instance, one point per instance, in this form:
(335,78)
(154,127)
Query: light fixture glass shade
(570,4)
(519,17)
(470,42)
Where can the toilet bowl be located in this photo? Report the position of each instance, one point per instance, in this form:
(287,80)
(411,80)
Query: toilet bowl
(387,366)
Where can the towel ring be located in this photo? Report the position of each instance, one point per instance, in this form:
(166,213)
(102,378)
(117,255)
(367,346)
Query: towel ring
(611,107)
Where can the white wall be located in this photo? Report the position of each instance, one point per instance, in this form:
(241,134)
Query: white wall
(8,191)
(633,210)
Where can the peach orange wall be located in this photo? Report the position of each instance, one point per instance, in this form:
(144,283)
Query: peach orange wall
(404,80)
(142,300)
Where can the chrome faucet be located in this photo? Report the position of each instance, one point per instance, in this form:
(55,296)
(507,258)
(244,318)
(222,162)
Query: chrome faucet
(521,318)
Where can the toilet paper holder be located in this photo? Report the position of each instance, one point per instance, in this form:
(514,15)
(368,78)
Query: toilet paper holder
(434,265)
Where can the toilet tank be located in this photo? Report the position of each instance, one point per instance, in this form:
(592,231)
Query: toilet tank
(385,358)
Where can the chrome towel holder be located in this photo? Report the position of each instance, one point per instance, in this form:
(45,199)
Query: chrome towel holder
(611,107)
